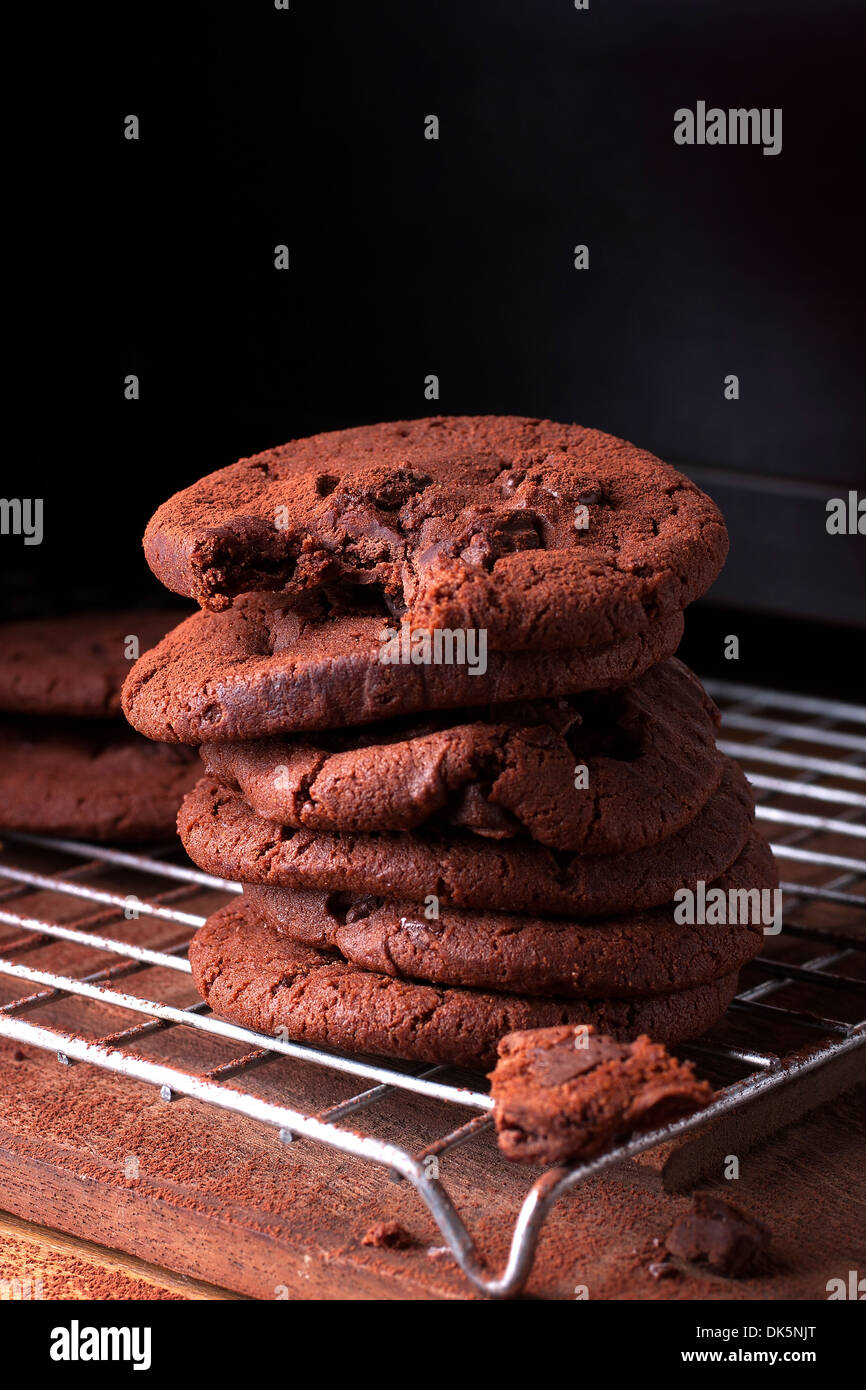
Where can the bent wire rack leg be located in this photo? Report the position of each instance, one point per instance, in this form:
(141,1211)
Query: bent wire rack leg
(545,1192)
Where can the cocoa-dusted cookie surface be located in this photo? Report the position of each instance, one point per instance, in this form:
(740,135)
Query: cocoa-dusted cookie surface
(601,772)
(225,838)
(262,668)
(619,957)
(546,535)
(570,1092)
(89,779)
(74,665)
(256,977)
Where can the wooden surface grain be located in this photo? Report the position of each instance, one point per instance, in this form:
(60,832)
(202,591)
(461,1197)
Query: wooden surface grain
(38,1263)
(211,1198)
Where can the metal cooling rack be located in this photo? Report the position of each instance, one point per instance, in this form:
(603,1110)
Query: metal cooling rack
(803,756)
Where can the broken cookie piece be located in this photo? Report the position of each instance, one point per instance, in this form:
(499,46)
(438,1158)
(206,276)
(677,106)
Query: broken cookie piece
(388,1235)
(569,1092)
(716,1234)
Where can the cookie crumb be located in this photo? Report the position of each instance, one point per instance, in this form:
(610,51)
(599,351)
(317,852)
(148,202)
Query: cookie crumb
(718,1235)
(388,1235)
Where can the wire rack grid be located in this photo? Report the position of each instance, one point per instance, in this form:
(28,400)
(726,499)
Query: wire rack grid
(804,756)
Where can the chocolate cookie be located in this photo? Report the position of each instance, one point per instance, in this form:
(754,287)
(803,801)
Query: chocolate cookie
(262,669)
(598,772)
(254,976)
(616,957)
(570,1092)
(74,665)
(545,535)
(89,780)
(224,837)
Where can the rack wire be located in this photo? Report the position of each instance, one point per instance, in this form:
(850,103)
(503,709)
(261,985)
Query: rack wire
(800,1007)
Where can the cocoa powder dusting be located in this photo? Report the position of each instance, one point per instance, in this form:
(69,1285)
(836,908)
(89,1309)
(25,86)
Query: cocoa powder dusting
(39,1274)
(215,1173)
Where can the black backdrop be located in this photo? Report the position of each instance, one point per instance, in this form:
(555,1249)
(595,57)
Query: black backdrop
(454,257)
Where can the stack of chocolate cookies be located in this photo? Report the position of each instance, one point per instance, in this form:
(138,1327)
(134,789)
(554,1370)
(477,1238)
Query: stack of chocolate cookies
(447,747)
(69,765)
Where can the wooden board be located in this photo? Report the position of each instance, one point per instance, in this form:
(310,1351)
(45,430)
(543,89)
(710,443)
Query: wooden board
(298,1230)
(37,1263)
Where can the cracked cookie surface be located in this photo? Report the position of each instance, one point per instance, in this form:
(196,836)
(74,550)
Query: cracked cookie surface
(262,668)
(252,975)
(225,838)
(565,1093)
(545,535)
(638,953)
(646,755)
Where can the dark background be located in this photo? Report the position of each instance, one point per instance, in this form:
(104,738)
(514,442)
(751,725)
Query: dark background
(455,257)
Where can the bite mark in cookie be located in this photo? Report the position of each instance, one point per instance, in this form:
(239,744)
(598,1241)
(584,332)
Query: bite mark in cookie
(542,534)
